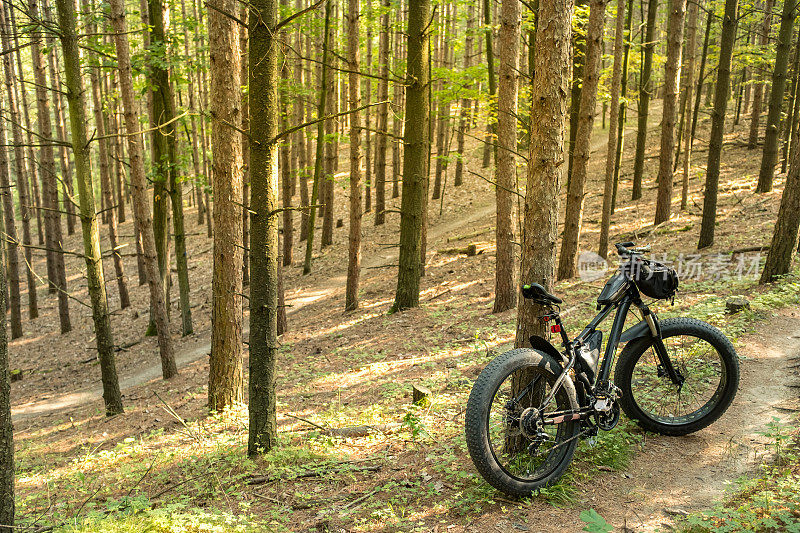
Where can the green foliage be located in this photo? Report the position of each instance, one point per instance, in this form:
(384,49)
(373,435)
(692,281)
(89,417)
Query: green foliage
(594,522)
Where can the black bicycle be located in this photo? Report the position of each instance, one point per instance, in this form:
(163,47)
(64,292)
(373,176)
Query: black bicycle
(529,406)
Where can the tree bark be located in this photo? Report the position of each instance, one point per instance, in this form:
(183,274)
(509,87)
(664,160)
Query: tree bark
(691,45)
(788,130)
(491,125)
(773,128)
(264,245)
(466,103)
(784,240)
(56,272)
(383,117)
(21,171)
(508,39)
(578,65)
(225,379)
(354,97)
(548,116)
(758,87)
(646,88)
(672,75)
(141,207)
(722,90)
(416,143)
(613,126)
(577,183)
(91,233)
(7,500)
(623,106)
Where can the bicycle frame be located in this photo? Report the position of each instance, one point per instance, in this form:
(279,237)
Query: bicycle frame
(649,326)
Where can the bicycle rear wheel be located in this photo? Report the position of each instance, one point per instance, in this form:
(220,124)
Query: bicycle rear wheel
(509,442)
(705,359)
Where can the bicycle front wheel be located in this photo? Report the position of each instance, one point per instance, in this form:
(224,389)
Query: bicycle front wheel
(708,367)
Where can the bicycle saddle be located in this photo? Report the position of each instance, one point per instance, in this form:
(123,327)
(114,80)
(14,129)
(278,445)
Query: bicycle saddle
(539,294)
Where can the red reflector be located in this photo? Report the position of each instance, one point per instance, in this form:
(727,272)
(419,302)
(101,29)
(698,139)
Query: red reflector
(555,328)
(545,319)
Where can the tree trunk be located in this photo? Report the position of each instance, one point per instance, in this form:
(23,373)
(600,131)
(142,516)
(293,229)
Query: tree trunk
(784,240)
(354,87)
(578,64)
(672,68)
(7,500)
(383,117)
(466,103)
(225,379)
(397,109)
(56,272)
(368,116)
(491,125)
(788,130)
(21,171)
(758,87)
(64,160)
(728,37)
(691,45)
(320,147)
(623,106)
(11,248)
(506,174)
(548,116)
(331,152)
(701,74)
(416,142)
(577,183)
(91,233)
(245,116)
(646,88)
(773,128)
(141,207)
(264,246)
(613,133)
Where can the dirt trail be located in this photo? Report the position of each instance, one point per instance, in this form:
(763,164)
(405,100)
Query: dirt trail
(307,295)
(676,475)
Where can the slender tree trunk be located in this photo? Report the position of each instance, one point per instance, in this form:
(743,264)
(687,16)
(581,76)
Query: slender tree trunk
(548,116)
(331,153)
(701,74)
(105,180)
(11,248)
(320,146)
(466,103)
(383,117)
(794,122)
(368,116)
(646,88)
(416,142)
(56,271)
(7,499)
(245,116)
(141,207)
(677,14)
(263,93)
(784,240)
(577,184)
(613,126)
(770,156)
(691,45)
(21,171)
(506,173)
(225,379)
(397,107)
(354,86)
(623,106)
(299,138)
(728,38)
(491,123)
(64,160)
(91,233)
(758,87)
(442,115)
(788,132)
(578,64)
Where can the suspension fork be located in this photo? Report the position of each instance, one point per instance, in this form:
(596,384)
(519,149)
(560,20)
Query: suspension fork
(658,344)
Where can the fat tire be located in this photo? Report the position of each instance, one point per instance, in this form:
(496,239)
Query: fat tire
(673,327)
(476,417)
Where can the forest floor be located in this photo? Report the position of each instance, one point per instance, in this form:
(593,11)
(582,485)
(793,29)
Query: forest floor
(165,464)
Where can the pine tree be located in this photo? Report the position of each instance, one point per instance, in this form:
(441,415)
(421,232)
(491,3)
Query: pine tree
(722,89)
(416,142)
(506,171)
(646,88)
(91,235)
(354,101)
(225,378)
